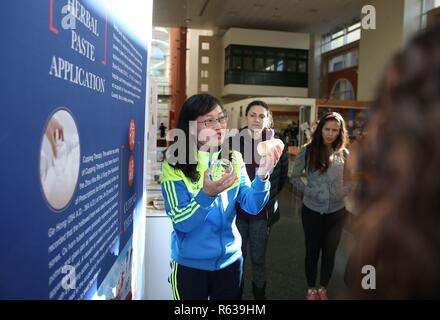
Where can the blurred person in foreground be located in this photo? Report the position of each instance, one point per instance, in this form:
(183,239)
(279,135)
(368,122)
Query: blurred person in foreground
(397,231)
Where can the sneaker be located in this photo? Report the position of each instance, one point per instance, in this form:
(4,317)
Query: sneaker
(322,293)
(312,294)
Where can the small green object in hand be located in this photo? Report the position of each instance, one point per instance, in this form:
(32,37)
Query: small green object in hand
(218,168)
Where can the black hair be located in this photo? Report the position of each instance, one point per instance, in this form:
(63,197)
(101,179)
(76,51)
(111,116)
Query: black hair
(195,106)
(256,103)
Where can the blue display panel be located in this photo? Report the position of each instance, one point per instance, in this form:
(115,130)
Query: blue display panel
(72,139)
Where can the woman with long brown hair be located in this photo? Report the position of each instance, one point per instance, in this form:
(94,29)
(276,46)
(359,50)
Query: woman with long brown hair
(397,232)
(323,211)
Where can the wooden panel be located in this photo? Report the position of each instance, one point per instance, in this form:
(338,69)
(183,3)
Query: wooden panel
(433,17)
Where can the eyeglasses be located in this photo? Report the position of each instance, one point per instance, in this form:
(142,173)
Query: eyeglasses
(212,122)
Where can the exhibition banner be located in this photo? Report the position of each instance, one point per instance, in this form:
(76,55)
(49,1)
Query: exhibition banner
(74,79)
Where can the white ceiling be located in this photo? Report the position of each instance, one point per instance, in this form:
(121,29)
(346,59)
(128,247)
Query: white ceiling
(310,16)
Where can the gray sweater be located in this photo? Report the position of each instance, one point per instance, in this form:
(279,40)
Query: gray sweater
(324,192)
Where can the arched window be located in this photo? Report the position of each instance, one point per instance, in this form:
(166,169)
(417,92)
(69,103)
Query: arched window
(342,90)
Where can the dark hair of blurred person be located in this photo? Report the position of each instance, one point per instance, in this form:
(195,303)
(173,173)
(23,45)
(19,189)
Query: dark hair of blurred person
(398,229)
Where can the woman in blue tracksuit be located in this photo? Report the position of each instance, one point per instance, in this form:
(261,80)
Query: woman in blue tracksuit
(205,244)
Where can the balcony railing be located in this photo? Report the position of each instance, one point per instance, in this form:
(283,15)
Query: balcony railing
(282,79)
